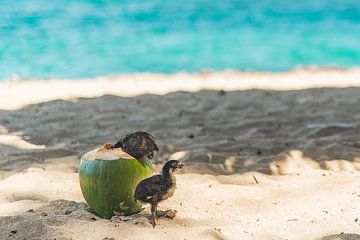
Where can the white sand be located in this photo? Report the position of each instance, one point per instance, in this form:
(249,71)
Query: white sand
(228,141)
(223,207)
(16,94)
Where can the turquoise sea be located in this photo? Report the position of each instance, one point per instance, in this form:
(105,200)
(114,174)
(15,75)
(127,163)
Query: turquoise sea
(42,39)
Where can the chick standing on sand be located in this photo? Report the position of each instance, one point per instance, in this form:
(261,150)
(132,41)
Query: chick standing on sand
(158,187)
(138,145)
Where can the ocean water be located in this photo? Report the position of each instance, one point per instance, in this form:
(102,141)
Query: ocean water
(42,39)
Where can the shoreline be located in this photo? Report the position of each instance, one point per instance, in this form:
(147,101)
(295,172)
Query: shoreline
(130,85)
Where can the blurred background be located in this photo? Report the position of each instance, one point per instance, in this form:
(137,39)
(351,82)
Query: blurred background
(43,39)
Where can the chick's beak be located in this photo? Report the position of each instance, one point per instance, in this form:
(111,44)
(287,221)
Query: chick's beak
(180,165)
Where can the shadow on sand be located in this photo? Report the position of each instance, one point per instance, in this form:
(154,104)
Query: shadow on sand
(213,132)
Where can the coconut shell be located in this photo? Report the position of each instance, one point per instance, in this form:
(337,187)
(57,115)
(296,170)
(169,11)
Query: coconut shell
(108,178)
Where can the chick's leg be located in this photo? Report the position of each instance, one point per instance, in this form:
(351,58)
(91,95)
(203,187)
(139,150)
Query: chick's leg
(154,217)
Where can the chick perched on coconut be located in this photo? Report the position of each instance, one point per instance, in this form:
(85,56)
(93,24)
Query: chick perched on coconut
(138,145)
(158,187)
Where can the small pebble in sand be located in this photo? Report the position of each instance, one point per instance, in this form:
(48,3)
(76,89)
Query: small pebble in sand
(67,212)
(191,136)
(221,92)
(12,233)
(218,229)
(219,203)
(170,214)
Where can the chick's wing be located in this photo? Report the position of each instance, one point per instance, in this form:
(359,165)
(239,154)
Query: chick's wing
(149,188)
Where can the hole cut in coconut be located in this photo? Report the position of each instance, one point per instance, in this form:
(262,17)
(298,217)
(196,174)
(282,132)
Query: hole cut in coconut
(106,152)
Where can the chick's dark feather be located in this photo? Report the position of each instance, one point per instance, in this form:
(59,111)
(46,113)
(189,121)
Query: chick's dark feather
(152,188)
(138,145)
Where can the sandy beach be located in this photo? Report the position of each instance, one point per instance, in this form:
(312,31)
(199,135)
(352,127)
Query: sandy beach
(267,156)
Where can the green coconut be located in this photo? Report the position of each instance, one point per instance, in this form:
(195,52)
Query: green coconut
(108,177)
